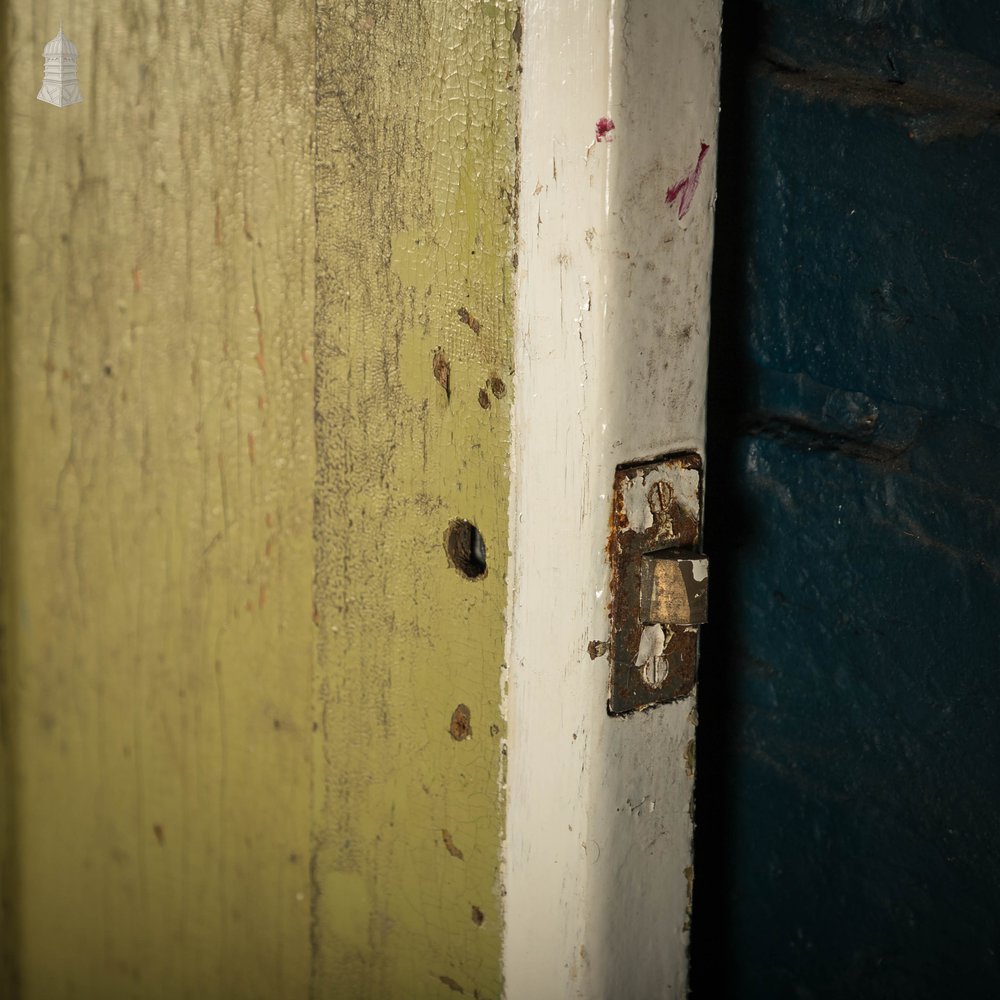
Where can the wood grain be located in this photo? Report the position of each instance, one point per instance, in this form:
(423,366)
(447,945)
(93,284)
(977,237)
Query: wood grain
(416,117)
(161,239)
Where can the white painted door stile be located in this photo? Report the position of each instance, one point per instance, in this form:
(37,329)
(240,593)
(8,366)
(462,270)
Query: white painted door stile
(619,109)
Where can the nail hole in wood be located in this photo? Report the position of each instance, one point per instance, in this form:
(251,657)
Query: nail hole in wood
(466,549)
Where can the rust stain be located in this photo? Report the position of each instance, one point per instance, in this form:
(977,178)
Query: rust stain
(674,526)
(137,278)
(461,723)
(451,984)
(484,399)
(660,497)
(497,386)
(469,320)
(454,851)
(252,448)
(442,372)
(596,648)
(158,833)
(478,917)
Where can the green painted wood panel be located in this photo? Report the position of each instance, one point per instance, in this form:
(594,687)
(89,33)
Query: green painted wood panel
(161,280)
(251,717)
(417,106)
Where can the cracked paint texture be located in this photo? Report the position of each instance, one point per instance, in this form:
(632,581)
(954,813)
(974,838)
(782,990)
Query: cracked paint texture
(158,292)
(233,642)
(417,108)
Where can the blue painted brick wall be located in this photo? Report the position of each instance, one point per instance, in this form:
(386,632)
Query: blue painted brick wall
(848,793)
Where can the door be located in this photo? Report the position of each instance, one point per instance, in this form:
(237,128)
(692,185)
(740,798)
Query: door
(326,329)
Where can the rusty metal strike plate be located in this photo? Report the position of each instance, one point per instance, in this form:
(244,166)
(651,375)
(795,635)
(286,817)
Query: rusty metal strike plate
(659,582)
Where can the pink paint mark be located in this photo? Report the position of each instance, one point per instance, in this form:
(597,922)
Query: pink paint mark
(602,128)
(682,193)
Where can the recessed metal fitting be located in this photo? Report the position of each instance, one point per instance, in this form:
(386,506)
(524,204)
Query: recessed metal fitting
(659,582)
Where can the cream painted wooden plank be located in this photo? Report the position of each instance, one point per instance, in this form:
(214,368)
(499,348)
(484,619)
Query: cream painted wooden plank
(416,194)
(611,358)
(161,266)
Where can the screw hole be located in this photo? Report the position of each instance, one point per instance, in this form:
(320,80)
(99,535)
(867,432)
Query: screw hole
(466,549)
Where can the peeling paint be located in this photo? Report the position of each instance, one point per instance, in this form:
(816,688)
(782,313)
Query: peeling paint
(469,320)
(449,843)
(596,648)
(415,163)
(649,658)
(442,372)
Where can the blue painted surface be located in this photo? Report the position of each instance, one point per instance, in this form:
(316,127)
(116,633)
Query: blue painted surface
(965,26)
(848,791)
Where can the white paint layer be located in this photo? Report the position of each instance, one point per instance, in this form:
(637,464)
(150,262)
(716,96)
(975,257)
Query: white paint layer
(611,360)
(650,655)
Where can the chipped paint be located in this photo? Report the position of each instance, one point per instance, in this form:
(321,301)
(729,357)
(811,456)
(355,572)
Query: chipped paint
(638,510)
(649,658)
(415,181)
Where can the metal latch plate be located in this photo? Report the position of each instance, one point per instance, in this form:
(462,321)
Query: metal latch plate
(658,582)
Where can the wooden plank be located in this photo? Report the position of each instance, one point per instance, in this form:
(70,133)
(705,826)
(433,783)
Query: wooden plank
(612,361)
(162,273)
(8,535)
(416,189)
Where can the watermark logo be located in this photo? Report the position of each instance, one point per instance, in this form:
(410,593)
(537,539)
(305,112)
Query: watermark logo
(60,86)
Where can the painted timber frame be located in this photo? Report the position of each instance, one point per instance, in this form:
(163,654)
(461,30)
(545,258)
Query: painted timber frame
(611,362)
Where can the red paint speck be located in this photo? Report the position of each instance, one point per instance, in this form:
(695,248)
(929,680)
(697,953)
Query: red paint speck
(682,193)
(602,128)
